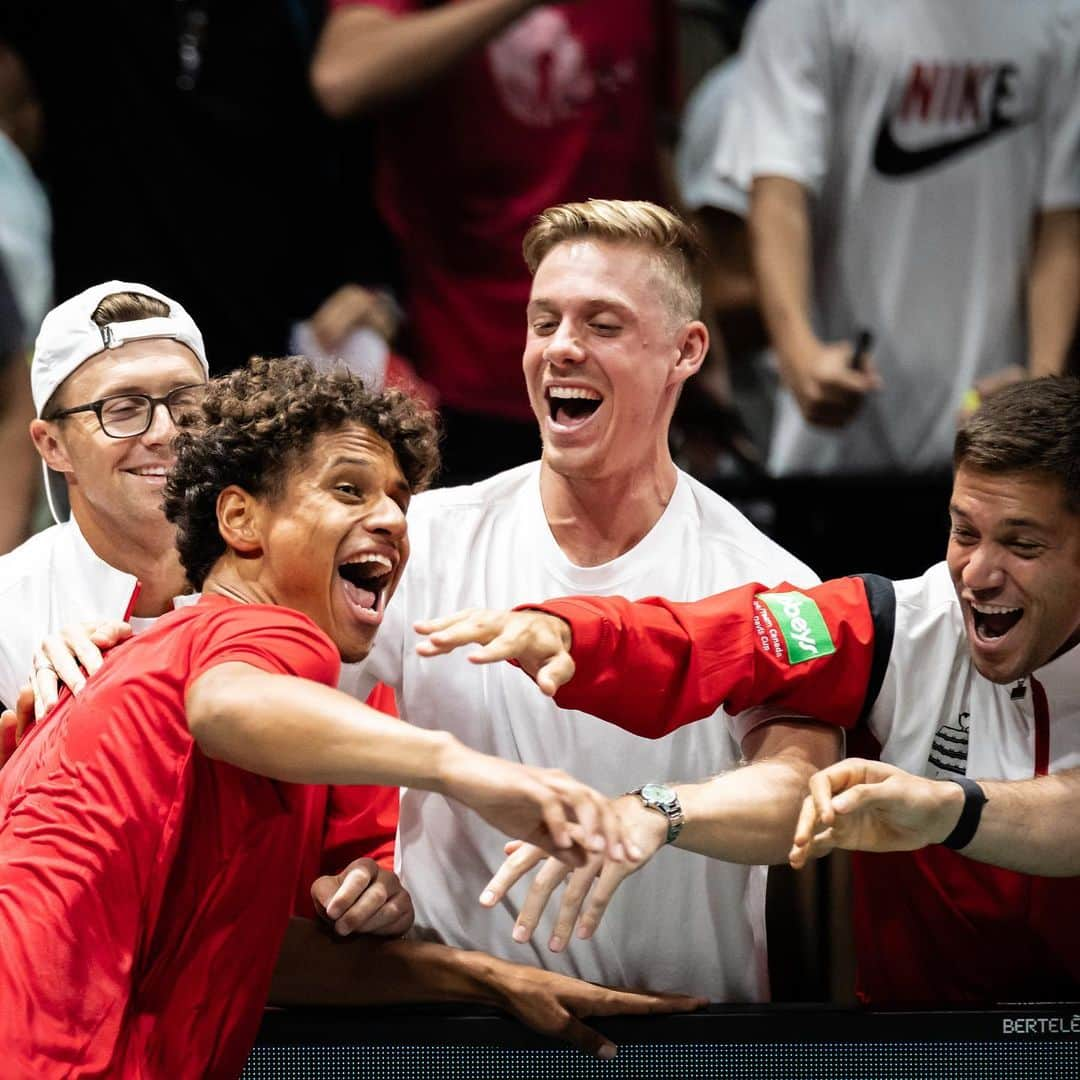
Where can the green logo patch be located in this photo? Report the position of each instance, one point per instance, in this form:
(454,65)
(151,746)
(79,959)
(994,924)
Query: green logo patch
(802,624)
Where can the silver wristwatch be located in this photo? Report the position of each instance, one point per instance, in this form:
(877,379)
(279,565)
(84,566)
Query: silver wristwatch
(666,800)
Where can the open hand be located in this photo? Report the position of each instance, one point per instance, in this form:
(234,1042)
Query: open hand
(590,887)
(553,1004)
(539,642)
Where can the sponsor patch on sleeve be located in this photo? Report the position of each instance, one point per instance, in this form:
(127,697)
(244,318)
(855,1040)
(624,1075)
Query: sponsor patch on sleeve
(791,627)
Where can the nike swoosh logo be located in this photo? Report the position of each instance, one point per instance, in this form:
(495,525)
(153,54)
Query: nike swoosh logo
(891,159)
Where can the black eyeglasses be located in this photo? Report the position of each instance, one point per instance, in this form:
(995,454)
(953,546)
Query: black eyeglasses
(123,416)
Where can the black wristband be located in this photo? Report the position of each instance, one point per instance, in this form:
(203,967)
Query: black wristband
(974,801)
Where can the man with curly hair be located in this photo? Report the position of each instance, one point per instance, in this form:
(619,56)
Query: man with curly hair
(147,825)
(112,365)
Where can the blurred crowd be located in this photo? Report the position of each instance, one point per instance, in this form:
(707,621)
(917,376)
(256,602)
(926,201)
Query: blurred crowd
(889,198)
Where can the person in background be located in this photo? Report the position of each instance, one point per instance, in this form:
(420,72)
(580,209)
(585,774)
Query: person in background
(916,179)
(25,290)
(487,111)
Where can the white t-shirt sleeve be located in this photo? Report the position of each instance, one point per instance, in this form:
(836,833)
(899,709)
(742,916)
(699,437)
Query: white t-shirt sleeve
(1061,187)
(786,91)
(710,122)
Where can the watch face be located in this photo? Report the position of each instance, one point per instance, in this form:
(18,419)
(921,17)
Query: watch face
(657,793)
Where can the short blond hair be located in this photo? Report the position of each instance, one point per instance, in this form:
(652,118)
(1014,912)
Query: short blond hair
(674,243)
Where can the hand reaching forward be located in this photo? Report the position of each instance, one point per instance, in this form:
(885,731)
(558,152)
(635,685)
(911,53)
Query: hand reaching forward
(364,899)
(553,1004)
(539,642)
(590,887)
(545,807)
(870,806)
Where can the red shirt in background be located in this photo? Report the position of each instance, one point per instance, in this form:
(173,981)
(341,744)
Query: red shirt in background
(561,106)
(144,888)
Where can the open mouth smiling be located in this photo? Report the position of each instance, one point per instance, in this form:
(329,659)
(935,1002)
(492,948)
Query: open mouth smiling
(994,621)
(366,577)
(572,406)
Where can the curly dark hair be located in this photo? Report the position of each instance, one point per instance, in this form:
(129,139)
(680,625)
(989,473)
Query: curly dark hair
(1031,426)
(256,422)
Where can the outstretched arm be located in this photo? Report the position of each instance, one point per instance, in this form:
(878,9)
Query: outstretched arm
(1026,825)
(314,970)
(742,816)
(291,729)
(366,56)
(810,652)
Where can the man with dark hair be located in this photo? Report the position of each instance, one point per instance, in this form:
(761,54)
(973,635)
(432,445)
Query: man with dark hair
(113,367)
(972,670)
(148,831)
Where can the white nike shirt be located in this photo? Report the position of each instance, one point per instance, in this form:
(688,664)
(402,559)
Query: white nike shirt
(928,135)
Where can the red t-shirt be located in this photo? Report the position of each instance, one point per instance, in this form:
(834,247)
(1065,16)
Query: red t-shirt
(560,106)
(144,888)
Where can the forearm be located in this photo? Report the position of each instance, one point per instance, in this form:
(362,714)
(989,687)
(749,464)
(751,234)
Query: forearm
(1030,825)
(749,814)
(780,248)
(730,650)
(367,56)
(315,969)
(298,731)
(1053,291)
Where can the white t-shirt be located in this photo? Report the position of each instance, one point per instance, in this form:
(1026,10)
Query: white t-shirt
(53,580)
(928,135)
(681,923)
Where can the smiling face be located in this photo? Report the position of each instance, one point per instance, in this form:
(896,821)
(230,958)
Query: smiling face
(115,485)
(1014,556)
(605,357)
(333,542)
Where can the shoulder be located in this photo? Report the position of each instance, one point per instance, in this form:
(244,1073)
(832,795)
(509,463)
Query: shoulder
(276,639)
(483,499)
(929,600)
(745,549)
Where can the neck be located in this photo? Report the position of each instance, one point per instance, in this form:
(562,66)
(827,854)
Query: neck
(238,579)
(147,554)
(597,519)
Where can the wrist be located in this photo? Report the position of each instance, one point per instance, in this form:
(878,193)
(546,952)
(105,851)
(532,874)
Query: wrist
(949,802)
(446,762)
(974,799)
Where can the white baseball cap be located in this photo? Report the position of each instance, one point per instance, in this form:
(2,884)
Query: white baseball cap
(69,337)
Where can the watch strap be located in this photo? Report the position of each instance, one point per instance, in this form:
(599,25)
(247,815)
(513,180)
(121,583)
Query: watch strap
(974,801)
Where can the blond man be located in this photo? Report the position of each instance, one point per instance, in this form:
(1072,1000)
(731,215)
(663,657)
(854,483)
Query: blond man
(612,335)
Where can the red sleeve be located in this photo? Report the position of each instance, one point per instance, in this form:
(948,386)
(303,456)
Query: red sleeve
(274,639)
(652,666)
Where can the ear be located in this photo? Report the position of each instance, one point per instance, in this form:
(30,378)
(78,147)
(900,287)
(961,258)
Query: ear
(239,519)
(693,344)
(50,446)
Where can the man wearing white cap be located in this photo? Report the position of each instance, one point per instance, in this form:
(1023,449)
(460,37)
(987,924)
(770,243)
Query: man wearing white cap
(113,367)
